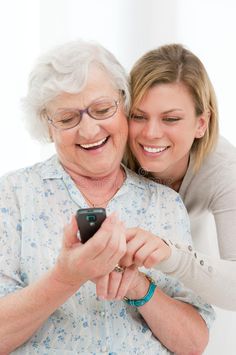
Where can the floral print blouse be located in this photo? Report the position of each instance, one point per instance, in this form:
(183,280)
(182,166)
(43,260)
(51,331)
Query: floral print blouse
(35,204)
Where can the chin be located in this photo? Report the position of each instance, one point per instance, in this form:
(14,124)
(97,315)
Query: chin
(153,168)
(102,170)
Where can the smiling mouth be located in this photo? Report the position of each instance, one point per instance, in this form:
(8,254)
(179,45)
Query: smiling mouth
(154,149)
(94,145)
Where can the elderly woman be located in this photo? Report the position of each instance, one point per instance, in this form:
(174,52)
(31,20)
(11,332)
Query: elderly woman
(78,98)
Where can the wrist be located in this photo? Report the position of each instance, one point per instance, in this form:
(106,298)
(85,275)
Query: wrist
(140,287)
(61,280)
(135,299)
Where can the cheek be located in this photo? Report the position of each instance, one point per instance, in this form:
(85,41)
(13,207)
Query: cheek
(63,138)
(122,128)
(135,132)
(132,129)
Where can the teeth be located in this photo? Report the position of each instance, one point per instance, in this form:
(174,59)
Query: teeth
(93,144)
(154,150)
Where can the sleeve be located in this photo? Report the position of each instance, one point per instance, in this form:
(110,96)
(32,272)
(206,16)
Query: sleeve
(198,271)
(223,208)
(10,238)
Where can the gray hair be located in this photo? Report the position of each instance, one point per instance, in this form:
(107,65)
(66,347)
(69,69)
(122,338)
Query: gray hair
(65,69)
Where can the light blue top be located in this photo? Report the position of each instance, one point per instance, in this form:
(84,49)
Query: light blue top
(35,204)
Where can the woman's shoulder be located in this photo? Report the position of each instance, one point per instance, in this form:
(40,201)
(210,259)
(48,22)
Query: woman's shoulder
(216,174)
(27,174)
(220,161)
(224,152)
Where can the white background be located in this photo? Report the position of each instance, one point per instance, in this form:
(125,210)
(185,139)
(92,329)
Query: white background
(128,28)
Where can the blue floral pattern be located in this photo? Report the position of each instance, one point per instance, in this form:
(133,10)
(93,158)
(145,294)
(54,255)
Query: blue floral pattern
(35,204)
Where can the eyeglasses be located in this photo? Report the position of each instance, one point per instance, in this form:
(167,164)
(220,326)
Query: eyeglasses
(98,110)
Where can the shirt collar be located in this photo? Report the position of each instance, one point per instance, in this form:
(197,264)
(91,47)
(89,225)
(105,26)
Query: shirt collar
(132,178)
(53,169)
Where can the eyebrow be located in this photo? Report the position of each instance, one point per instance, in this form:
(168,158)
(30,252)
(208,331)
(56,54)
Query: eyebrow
(165,112)
(98,99)
(172,110)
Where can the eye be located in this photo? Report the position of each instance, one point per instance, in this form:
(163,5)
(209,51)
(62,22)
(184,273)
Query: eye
(137,117)
(66,117)
(103,109)
(171,119)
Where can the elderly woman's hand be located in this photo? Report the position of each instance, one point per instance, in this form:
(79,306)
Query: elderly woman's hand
(78,263)
(144,249)
(115,285)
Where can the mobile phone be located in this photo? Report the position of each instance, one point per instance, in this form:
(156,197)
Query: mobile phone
(89,221)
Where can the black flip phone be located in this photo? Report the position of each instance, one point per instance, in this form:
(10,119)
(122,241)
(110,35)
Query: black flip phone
(89,221)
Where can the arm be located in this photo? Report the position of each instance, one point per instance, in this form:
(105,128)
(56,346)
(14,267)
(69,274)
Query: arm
(221,197)
(178,325)
(143,247)
(24,311)
(197,271)
(208,277)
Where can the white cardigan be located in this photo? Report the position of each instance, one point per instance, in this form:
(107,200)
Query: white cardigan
(211,190)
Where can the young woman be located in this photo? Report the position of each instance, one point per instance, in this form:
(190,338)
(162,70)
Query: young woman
(173,136)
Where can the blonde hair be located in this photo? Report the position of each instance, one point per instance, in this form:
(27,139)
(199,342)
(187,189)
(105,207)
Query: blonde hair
(175,64)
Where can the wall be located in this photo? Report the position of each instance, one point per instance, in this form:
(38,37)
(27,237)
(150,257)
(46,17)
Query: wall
(128,28)
(19,38)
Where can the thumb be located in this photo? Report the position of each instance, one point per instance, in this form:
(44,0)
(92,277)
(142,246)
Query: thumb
(70,238)
(110,221)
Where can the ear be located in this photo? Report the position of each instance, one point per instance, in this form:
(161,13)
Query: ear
(202,124)
(43,117)
(50,133)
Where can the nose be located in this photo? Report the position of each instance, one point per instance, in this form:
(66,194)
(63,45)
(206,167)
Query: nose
(153,129)
(88,128)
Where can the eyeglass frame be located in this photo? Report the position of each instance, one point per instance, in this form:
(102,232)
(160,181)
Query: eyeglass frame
(81,112)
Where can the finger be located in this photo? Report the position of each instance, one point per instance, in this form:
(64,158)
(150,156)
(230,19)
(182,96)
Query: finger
(157,256)
(108,223)
(132,247)
(127,278)
(146,250)
(102,286)
(113,285)
(104,248)
(130,233)
(117,245)
(96,245)
(70,234)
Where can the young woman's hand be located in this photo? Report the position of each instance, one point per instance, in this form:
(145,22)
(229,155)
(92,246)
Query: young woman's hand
(144,249)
